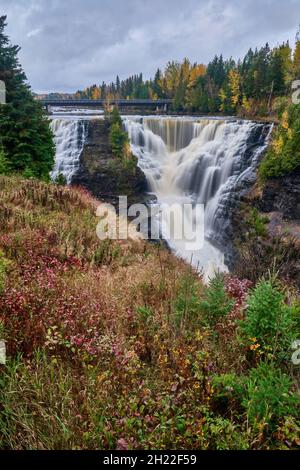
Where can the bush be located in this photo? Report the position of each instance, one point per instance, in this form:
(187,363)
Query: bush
(268,396)
(228,391)
(216,303)
(61,180)
(269,320)
(4,165)
(28,173)
(222,434)
(257,223)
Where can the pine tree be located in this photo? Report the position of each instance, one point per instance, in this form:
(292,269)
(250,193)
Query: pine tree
(118,86)
(156,86)
(26,137)
(116,117)
(261,68)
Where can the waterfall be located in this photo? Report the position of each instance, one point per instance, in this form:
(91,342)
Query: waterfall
(204,161)
(69,137)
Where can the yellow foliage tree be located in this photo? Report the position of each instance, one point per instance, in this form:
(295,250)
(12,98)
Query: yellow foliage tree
(198,70)
(278,144)
(246,104)
(223,98)
(96,93)
(171,78)
(234,84)
(185,70)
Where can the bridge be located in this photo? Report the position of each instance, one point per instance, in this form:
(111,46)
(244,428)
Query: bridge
(121,103)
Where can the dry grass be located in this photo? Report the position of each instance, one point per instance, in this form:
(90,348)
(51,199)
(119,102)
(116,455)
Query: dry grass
(108,345)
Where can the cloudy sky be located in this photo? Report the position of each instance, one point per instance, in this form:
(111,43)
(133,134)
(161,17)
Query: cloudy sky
(70,44)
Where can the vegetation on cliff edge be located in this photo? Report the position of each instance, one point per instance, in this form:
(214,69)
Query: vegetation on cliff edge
(283,154)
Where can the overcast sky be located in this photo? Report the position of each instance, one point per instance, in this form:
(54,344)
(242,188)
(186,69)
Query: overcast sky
(70,44)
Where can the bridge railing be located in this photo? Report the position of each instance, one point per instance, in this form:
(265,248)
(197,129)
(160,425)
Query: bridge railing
(101,102)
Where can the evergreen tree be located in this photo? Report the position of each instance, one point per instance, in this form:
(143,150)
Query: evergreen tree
(118,86)
(156,87)
(261,75)
(26,137)
(276,74)
(248,86)
(247,74)
(116,117)
(4,165)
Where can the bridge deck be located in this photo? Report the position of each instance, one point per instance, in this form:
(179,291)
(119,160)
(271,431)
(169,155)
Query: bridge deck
(101,103)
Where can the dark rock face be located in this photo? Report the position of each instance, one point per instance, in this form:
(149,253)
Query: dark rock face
(104,174)
(238,186)
(280,200)
(282,195)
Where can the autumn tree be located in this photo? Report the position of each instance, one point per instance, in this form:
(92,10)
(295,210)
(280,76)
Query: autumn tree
(96,93)
(251,85)
(234,86)
(296,58)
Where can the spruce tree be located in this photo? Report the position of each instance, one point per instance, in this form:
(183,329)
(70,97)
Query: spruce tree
(26,137)
(157,84)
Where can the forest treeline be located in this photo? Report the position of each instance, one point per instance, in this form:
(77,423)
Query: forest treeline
(253,85)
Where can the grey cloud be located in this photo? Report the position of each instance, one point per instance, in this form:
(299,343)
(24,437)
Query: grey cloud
(70,44)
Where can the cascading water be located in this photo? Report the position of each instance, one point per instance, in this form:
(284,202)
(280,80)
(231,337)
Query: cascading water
(69,137)
(205,161)
(185,160)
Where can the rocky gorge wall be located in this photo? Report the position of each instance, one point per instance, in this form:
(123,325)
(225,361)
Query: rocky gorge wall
(266,236)
(102,173)
(282,195)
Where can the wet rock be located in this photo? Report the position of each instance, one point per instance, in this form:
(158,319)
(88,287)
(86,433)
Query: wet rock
(282,195)
(104,174)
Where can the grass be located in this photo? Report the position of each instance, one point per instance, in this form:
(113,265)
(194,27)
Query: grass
(119,345)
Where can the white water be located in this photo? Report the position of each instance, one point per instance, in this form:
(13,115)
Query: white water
(71,112)
(69,137)
(186,160)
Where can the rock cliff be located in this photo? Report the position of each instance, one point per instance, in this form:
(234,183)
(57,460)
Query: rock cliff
(282,195)
(102,173)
